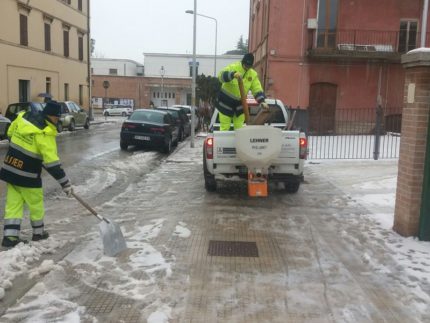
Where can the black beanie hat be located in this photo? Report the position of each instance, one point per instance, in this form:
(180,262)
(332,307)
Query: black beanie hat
(248,59)
(52,108)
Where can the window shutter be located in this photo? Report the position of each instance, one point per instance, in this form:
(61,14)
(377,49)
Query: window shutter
(48,37)
(23,27)
(81,48)
(66,42)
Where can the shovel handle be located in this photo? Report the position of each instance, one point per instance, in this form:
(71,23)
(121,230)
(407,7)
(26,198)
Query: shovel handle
(89,208)
(243,100)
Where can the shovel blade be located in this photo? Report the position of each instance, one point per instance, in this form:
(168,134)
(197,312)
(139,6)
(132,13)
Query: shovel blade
(113,240)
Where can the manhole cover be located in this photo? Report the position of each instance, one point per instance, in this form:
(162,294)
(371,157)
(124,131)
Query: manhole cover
(232,248)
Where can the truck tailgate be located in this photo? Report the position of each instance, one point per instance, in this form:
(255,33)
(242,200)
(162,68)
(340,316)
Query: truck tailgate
(225,148)
(290,151)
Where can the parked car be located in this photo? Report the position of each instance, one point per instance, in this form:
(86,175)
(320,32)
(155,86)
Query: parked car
(118,110)
(187,109)
(181,118)
(4,126)
(13,109)
(72,116)
(151,128)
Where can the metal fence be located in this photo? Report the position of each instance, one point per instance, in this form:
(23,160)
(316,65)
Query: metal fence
(359,40)
(351,133)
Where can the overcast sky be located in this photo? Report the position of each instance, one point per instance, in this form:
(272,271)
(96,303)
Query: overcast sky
(128,28)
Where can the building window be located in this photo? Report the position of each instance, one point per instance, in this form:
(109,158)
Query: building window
(24,90)
(66,91)
(173,95)
(23,30)
(407,35)
(81,48)
(47,37)
(81,94)
(48,85)
(327,23)
(66,42)
(113,71)
(80,5)
(67,1)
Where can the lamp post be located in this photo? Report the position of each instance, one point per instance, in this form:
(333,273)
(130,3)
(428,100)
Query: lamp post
(193,84)
(216,32)
(162,72)
(424,23)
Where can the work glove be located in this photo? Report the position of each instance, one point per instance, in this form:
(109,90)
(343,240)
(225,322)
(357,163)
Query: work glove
(68,189)
(237,75)
(264,106)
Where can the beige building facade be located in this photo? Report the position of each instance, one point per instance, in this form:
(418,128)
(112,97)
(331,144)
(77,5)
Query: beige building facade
(44,48)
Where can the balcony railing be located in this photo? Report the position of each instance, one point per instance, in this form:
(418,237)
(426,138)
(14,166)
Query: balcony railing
(362,43)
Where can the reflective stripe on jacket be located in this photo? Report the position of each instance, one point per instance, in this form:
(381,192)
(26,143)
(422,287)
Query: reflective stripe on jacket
(32,146)
(228,101)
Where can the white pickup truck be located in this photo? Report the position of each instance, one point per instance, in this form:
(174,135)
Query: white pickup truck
(221,161)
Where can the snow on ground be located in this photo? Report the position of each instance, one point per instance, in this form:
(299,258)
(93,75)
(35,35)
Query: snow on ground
(372,185)
(369,184)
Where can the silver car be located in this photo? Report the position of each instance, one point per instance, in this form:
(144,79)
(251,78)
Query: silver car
(72,116)
(4,126)
(118,110)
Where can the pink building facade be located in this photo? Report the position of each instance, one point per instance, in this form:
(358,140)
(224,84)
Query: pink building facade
(334,54)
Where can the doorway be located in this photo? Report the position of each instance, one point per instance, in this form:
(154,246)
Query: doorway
(24,90)
(322,108)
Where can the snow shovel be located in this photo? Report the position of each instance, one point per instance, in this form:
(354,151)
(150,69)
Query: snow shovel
(113,240)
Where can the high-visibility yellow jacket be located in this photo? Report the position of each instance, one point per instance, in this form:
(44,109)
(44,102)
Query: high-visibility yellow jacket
(32,146)
(228,101)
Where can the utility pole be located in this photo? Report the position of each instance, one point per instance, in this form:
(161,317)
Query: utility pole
(193,85)
(424,23)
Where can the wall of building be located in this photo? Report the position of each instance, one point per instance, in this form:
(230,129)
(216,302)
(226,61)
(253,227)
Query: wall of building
(286,70)
(377,15)
(124,67)
(178,65)
(32,62)
(141,89)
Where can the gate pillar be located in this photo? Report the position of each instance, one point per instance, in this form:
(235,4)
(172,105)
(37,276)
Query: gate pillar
(413,143)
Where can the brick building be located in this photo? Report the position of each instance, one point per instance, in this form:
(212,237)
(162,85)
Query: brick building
(139,91)
(331,54)
(164,80)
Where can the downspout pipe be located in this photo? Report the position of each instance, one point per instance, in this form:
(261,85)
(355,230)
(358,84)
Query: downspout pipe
(424,23)
(90,106)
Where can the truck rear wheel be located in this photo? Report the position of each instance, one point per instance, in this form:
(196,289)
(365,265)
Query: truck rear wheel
(210,182)
(292,187)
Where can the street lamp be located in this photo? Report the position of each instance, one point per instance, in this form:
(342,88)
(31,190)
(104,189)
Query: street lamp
(216,31)
(162,72)
(193,84)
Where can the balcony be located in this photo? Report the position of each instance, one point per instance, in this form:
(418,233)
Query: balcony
(361,44)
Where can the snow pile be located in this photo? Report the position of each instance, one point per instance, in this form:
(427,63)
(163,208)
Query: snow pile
(21,260)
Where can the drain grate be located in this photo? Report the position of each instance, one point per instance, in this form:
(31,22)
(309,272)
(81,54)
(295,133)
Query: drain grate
(232,248)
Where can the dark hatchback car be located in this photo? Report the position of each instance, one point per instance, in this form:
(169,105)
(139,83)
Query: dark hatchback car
(182,120)
(150,128)
(15,108)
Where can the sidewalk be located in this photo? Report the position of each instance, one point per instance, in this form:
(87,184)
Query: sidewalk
(326,254)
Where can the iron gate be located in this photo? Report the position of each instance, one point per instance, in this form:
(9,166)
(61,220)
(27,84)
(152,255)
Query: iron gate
(352,133)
